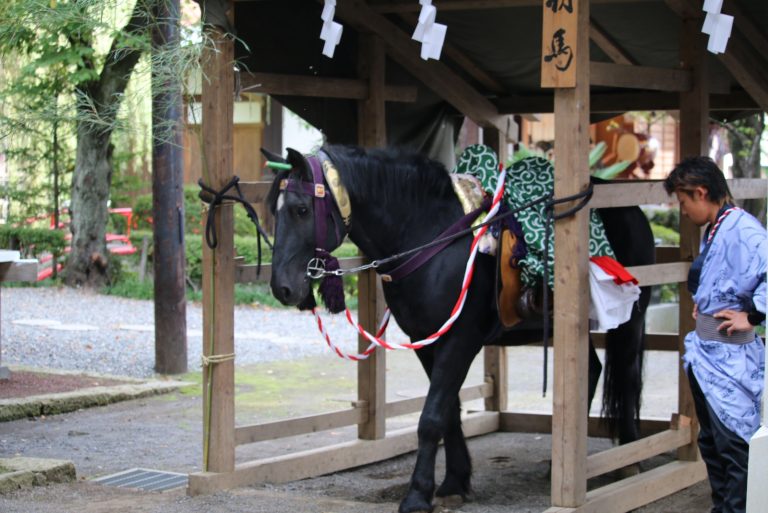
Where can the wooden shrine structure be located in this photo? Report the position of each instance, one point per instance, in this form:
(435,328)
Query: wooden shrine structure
(604,75)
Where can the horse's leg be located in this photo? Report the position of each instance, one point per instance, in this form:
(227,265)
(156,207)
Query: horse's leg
(456,486)
(458,465)
(440,412)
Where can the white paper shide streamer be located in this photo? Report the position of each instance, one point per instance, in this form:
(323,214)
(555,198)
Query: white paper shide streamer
(431,35)
(331,32)
(717,26)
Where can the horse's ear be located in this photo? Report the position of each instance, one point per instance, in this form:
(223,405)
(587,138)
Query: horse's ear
(273,157)
(299,163)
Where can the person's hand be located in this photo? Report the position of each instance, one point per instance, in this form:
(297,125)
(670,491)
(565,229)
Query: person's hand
(733,321)
(695,313)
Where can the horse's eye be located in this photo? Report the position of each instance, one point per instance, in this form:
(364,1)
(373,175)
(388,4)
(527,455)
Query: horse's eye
(302,211)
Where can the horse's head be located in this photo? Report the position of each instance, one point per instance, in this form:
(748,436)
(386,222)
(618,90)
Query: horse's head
(302,207)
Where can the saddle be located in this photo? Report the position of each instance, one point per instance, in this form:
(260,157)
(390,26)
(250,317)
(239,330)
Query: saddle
(509,287)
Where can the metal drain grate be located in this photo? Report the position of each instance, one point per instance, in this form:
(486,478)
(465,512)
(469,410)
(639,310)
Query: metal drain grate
(144,479)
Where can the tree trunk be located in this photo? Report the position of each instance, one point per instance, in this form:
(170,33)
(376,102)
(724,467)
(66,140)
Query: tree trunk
(88,259)
(744,139)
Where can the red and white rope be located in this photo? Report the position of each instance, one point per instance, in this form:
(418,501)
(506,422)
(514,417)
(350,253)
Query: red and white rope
(376,340)
(717,223)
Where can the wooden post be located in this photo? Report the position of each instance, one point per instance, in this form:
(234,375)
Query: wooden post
(218,264)
(571,300)
(371,123)
(694,128)
(168,204)
(495,357)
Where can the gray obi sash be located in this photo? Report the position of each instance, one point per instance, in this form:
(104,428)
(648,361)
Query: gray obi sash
(706,329)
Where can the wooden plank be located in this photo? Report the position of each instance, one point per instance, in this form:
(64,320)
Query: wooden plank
(433,74)
(255,192)
(622,102)
(747,67)
(650,192)
(320,87)
(20,270)
(607,44)
(529,422)
(315,462)
(653,341)
(415,404)
(299,425)
(399,6)
(571,330)
(560,44)
(639,77)
(657,274)
(644,488)
(639,450)
(694,132)
(666,254)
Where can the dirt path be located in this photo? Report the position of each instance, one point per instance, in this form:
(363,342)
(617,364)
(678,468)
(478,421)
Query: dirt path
(165,433)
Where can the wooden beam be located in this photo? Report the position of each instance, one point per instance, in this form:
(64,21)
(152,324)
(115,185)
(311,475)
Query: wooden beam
(623,102)
(651,192)
(299,425)
(398,6)
(416,404)
(19,270)
(218,276)
(744,24)
(320,87)
(324,460)
(571,298)
(434,74)
(633,492)
(639,77)
(637,451)
(607,44)
(530,422)
(653,341)
(371,132)
(747,67)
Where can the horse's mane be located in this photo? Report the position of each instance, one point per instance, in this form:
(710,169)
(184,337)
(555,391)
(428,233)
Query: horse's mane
(390,175)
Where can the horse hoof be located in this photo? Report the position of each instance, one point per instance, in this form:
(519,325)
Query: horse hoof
(449,501)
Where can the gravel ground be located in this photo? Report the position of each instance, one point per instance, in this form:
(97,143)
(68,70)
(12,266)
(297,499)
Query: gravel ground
(62,328)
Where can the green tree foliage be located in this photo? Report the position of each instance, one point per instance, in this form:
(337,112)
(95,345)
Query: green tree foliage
(744,137)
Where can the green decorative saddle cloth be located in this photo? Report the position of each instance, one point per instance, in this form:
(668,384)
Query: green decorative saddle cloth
(527,180)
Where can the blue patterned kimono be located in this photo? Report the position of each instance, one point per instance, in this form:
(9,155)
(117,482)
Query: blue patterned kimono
(733,276)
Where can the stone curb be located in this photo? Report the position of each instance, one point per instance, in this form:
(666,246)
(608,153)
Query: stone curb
(51,404)
(19,473)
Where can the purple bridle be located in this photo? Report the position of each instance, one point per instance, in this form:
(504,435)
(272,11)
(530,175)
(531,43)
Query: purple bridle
(323,205)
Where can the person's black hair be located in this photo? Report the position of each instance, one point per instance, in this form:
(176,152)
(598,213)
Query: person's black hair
(698,171)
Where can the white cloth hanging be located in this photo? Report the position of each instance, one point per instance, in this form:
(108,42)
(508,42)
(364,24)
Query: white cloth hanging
(610,303)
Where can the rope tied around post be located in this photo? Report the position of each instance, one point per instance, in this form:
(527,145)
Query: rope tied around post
(215,198)
(207,361)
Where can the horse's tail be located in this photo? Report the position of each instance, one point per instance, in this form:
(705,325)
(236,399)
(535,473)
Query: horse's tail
(624,373)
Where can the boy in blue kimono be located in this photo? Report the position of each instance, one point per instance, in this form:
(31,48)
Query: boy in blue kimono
(724,358)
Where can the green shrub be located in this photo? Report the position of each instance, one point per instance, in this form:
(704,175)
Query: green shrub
(668,218)
(32,242)
(667,236)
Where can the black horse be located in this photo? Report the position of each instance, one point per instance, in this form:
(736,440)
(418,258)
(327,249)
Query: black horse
(401,201)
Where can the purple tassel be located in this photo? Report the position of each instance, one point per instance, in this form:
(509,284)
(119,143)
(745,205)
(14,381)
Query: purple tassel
(332,288)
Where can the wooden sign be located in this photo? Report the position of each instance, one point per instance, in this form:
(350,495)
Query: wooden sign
(558,43)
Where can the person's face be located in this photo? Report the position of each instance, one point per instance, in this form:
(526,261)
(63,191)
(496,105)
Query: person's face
(695,205)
